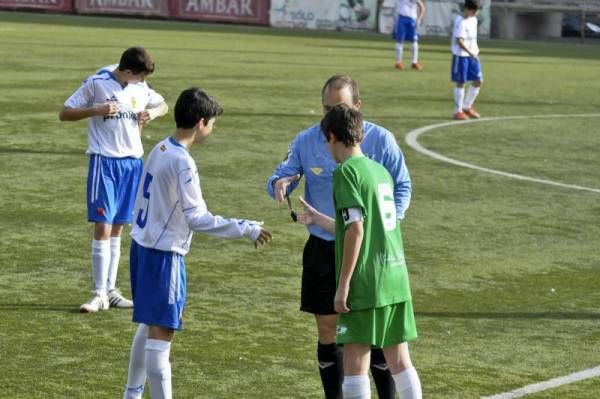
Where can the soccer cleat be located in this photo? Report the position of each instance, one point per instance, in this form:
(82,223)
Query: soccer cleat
(460,116)
(97,302)
(399,66)
(471,113)
(116,300)
(416,66)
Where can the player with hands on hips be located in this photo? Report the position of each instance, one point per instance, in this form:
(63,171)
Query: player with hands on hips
(169,208)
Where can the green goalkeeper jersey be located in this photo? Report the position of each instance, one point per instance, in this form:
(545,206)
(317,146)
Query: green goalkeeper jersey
(380,277)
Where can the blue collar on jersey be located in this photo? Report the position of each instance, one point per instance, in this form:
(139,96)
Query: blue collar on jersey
(174,142)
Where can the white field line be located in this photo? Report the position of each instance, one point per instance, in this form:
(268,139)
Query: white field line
(413,136)
(412,141)
(553,383)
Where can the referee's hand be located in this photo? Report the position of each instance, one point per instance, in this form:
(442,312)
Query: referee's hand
(281,186)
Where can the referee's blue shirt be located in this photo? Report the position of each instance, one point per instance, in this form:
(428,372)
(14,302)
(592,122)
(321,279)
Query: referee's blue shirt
(309,156)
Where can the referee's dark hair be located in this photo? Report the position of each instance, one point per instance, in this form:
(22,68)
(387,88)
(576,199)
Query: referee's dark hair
(137,60)
(193,105)
(344,123)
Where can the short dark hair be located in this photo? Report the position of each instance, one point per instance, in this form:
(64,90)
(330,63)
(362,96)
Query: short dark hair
(345,123)
(338,82)
(193,105)
(472,5)
(137,60)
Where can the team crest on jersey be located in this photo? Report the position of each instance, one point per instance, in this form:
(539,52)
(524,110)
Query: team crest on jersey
(133,102)
(163,148)
(316,171)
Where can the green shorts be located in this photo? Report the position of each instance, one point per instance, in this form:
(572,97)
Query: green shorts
(380,327)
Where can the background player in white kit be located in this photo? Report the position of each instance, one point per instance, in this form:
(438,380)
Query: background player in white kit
(115,104)
(465,61)
(409,14)
(169,206)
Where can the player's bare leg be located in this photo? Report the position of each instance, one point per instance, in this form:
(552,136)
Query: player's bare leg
(356,371)
(405,376)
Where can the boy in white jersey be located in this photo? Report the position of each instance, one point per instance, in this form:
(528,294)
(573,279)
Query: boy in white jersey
(115,103)
(169,207)
(409,14)
(373,294)
(465,62)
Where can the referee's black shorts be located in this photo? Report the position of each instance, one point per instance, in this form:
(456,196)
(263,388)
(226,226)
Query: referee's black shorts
(318,276)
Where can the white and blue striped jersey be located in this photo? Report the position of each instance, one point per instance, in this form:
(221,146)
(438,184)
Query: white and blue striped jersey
(115,136)
(169,204)
(408,8)
(466,29)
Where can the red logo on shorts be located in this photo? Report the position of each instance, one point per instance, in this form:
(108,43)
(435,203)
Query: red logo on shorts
(100,212)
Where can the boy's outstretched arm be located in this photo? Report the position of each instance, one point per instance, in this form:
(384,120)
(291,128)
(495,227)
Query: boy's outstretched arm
(312,216)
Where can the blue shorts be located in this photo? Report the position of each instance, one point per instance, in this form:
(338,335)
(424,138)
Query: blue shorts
(405,29)
(465,69)
(111,187)
(158,286)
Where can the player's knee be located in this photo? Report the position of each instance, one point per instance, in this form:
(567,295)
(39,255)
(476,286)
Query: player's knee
(326,331)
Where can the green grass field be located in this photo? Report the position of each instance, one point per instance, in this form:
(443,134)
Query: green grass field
(505,273)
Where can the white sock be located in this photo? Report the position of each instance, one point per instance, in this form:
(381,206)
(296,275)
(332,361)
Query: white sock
(472,93)
(414,52)
(113,267)
(136,377)
(399,50)
(100,261)
(408,384)
(459,95)
(158,368)
(356,387)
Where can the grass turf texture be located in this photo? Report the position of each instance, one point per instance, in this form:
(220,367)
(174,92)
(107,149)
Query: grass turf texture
(484,251)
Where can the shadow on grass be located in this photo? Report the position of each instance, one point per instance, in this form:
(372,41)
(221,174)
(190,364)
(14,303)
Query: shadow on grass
(511,315)
(9,150)
(18,307)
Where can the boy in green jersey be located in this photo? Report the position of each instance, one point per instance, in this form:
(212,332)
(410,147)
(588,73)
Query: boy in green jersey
(373,294)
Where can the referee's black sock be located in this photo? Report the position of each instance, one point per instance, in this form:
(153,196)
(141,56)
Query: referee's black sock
(381,375)
(331,368)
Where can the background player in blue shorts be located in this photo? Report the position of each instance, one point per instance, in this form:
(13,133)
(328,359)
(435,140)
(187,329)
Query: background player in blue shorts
(465,61)
(373,294)
(409,14)
(115,103)
(169,207)
(308,156)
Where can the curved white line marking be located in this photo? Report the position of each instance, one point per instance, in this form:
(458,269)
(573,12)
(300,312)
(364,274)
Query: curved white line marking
(553,383)
(412,141)
(413,135)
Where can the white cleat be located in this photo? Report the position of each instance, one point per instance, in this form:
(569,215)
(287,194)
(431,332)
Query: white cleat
(96,303)
(117,300)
